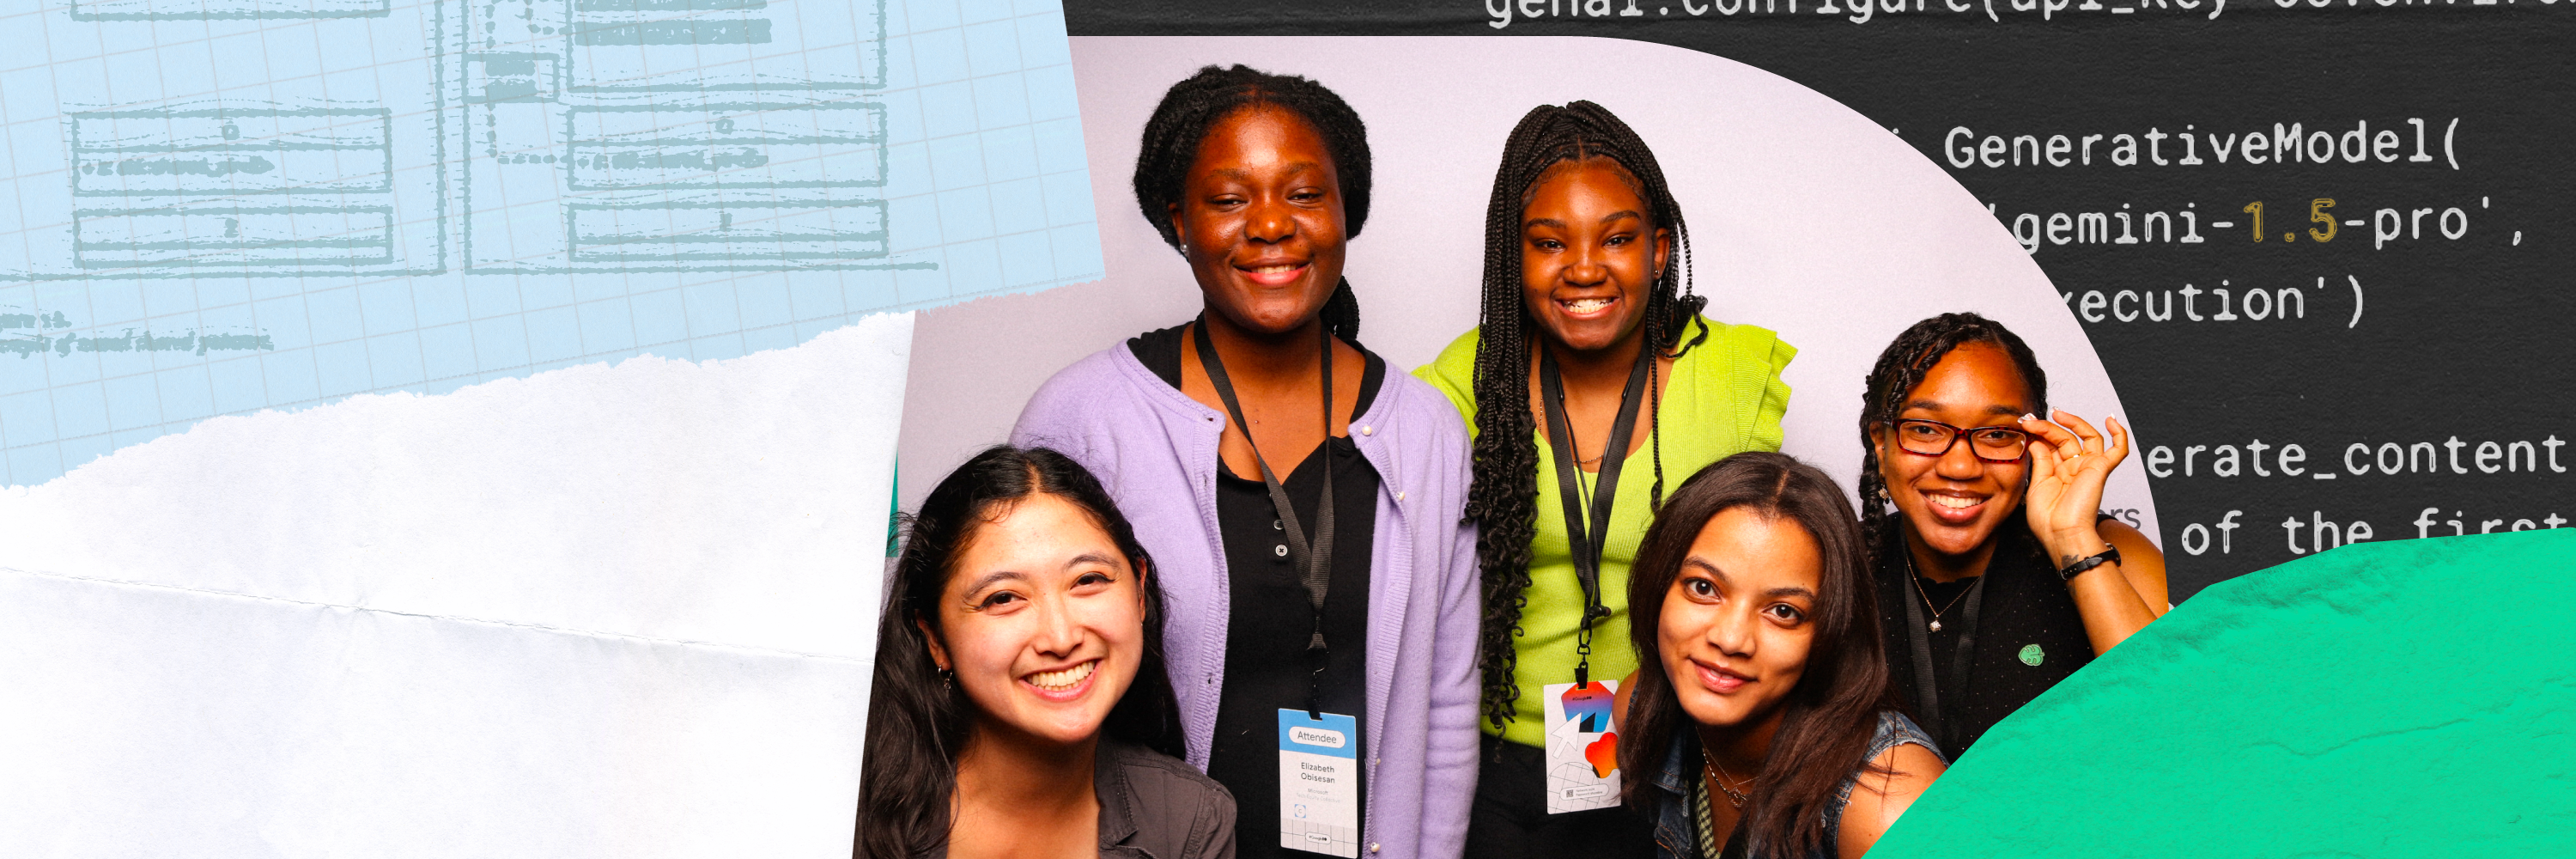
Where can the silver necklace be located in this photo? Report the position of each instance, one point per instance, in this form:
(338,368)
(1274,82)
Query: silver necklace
(1719,775)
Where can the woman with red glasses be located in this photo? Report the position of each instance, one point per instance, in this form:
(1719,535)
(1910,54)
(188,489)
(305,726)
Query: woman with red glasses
(1997,575)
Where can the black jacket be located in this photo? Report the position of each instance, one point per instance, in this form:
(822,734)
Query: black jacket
(1154,806)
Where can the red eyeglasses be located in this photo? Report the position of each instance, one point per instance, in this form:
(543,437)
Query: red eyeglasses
(1989,443)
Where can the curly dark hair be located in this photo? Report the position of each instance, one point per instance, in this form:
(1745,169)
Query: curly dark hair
(1900,368)
(1503,500)
(1194,105)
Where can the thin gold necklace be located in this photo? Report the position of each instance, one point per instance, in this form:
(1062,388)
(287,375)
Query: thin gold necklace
(1917,579)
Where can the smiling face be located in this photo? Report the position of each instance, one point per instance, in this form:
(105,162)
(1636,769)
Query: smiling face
(1736,625)
(1588,257)
(1260,220)
(1955,501)
(1043,621)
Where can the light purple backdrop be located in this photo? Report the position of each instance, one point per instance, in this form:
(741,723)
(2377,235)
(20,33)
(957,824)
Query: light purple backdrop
(1806,218)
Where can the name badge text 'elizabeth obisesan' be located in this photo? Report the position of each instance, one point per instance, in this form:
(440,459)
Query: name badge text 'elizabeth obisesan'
(1319,783)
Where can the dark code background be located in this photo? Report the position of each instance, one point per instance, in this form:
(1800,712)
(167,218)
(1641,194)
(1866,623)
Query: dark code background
(2465,338)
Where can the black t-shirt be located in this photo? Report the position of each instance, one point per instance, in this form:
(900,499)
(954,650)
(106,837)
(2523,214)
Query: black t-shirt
(1271,621)
(2028,635)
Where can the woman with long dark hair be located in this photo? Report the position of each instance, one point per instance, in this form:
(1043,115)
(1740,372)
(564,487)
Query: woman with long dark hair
(1020,706)
(1998,577)
(1590,371)
(1306,505)
(1762,724)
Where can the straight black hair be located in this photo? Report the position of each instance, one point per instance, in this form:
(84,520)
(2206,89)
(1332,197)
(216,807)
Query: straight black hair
(917,722)
(1503,500)
(1181,121)
(1831,714)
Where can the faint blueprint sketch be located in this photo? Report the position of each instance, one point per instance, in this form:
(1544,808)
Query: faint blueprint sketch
(220,206)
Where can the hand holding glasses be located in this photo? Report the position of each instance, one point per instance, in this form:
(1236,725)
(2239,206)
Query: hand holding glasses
(2069,462)
(2068,469)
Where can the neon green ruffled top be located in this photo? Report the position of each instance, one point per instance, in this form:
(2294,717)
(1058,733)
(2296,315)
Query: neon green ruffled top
(1725,396)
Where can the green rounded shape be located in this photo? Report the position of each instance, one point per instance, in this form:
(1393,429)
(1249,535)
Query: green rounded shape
(2030,654)
(2267,729)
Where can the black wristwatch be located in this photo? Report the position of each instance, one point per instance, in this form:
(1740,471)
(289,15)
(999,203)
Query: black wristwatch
(2110,555)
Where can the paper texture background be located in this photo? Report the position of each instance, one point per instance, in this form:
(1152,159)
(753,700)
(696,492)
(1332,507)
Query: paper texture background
(601,611)
(214,207)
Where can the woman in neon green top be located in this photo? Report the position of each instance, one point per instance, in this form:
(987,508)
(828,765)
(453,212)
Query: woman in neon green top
(1578,283)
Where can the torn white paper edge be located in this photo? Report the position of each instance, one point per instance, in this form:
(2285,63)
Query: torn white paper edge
(603,611)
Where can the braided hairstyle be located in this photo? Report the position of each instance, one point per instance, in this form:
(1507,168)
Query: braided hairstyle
(1194,105)
(1900,368)
(1503,501)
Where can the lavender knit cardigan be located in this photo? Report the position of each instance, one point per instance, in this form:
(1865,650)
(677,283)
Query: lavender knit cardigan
(1156,450)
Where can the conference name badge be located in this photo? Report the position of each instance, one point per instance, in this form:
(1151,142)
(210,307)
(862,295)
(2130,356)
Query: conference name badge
(1582,747)
(1319,783)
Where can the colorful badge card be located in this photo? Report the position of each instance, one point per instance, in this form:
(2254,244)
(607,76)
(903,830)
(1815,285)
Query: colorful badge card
(1319,783)
(1582,747)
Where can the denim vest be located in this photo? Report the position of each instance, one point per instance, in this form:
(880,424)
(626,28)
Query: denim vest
(1677,836)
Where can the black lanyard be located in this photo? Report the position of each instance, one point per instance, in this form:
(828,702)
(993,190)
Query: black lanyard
(1588,542)
(1944,724)
(1314,561)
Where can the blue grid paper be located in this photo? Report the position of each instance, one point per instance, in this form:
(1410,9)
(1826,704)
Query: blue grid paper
(221,206)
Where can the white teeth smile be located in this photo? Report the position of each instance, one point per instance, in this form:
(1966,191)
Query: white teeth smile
(1272,269)
(1956,503)
(1058,681)
(1587,305)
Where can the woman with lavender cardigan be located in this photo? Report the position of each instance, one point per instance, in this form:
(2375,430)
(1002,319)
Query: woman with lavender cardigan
(1258,180)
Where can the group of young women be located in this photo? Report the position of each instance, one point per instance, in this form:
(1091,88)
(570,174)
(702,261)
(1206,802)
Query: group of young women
(1234,589)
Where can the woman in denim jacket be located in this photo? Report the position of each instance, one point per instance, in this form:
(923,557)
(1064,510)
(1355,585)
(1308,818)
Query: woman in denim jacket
(1762,710)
